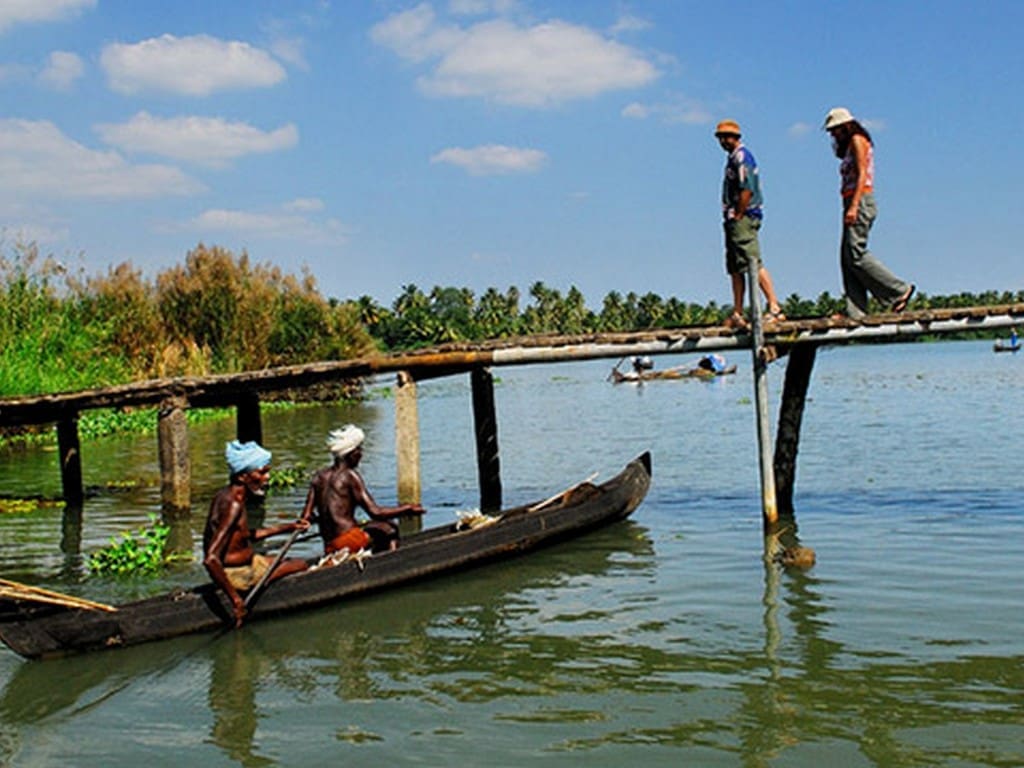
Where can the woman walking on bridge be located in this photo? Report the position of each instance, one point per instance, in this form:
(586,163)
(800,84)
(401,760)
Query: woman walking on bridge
(861,271)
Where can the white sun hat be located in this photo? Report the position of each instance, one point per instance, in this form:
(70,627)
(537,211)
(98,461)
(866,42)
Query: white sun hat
(837,116)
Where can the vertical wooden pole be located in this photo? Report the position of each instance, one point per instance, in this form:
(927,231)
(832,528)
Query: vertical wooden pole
(407,439)
(791,413)
(71,530)
(486,428)
(172,444)
(248,425)
(70,461)
(769,510)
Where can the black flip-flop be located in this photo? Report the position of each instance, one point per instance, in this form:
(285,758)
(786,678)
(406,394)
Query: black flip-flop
(901,303)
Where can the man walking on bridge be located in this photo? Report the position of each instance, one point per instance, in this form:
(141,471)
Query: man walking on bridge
(741,210)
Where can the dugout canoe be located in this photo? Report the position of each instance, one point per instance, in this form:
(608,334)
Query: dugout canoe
(1005,347)
(39,632)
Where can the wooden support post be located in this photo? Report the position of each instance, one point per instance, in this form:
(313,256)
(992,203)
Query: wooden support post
(248,426)
(407,439)
(71,531)
(175,471)
(486,427)
(769,509)
(70,461)
(791,413)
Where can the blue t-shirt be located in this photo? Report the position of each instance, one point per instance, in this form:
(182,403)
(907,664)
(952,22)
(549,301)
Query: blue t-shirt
(740,174)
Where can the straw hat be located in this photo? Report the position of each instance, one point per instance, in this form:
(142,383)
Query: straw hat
(728,128)
(837,116)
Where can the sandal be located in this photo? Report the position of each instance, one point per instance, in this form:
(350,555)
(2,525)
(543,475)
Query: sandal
(776,316)
(738,321)
(901,303)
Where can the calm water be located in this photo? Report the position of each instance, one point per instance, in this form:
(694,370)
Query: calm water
(665,640)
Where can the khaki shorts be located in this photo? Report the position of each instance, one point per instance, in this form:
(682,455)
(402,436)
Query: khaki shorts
(247,576)
(741,246)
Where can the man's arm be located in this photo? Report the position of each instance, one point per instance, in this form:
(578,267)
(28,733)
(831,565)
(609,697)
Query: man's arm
(365,499)
(265,533)
(213,559)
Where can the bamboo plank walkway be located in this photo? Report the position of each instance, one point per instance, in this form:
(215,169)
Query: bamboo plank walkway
(449,359)
(452,358)
(799,339)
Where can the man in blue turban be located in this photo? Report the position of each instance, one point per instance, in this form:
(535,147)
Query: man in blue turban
(228,553)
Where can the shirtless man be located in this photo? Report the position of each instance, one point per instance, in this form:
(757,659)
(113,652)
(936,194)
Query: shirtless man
(228,553)
(335,493)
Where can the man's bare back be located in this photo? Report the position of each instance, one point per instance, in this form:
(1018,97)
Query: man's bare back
(337,491)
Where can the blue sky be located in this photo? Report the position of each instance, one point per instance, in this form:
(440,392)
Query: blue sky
(484,143)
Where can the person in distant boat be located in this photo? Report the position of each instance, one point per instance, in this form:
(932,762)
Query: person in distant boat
(338,490)
(228,553)
(713,363)
(861,271)
(641,364)
(742,213)
(1013,337)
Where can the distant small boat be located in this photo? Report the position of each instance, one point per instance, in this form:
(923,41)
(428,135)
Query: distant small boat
(1001,347)
(642,374)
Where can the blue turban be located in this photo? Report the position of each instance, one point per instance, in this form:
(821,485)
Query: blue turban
(244,457)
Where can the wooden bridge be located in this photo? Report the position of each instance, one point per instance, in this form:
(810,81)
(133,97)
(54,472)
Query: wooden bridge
(797,340)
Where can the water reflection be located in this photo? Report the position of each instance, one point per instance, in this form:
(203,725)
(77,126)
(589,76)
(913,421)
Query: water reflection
(665,641)
(234,679)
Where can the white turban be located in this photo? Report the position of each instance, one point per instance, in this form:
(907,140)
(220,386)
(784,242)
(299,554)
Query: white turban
(345,440)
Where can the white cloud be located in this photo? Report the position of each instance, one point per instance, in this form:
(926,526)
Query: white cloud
(532,66)
(209,141)
(305,205)
(21,229)
(798,129)
(492,159)
(291,50)
(628,23)
(62,70)
(415,34)
(677,109)
(25,11)
(193,66)
(37,160)
(637,111)
(481,7)
(284,224)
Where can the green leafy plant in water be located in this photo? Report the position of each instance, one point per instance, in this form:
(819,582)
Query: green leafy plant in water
(26,506)
(288,477)
(140,553)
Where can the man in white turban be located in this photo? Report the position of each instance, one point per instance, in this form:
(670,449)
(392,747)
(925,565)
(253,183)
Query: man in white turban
(338,490)
(343,441)
(228,553)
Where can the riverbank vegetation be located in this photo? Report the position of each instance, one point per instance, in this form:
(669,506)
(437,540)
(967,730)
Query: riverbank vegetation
(215,313)
(221,313)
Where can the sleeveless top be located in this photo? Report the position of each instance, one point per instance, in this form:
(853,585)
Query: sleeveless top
(848,171)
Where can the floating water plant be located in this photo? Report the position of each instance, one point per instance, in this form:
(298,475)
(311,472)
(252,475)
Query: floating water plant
(140,553)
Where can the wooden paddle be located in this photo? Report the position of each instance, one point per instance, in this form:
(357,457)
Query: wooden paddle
(273,566)
(570,489)
(15,590)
